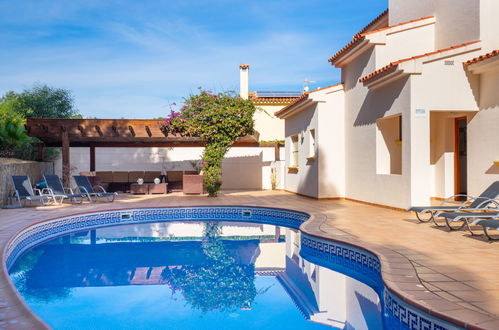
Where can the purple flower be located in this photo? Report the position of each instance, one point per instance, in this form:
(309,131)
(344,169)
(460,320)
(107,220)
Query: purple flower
(174,103)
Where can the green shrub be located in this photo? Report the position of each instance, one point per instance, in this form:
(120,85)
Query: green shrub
(219,119)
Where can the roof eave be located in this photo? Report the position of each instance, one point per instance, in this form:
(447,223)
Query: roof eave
(357,50)
(386,78)
(296,108)
(484,65)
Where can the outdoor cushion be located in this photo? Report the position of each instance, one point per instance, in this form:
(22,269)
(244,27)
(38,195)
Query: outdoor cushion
(120,176)
(149,176)
(105,176)
(133,176)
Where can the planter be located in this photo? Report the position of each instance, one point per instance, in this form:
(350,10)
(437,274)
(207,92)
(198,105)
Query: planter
(193,183)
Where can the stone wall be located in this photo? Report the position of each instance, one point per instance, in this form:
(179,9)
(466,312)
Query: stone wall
(11,166)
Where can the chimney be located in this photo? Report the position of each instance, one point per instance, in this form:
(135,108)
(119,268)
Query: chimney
(243,80)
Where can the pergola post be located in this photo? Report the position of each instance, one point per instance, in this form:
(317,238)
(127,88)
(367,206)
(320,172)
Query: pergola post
(66,166)
(40,150)
(92,158)
(277,153)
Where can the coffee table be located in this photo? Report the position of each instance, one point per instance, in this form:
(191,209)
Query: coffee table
(158,188)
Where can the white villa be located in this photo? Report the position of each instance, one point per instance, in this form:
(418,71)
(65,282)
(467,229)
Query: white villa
(416,115)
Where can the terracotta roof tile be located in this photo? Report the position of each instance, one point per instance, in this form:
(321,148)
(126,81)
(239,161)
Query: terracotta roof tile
(272,99)
(393,65)
(482,57)
(361,36)
(298,100)
(358,36)
(373,22)
(400,24)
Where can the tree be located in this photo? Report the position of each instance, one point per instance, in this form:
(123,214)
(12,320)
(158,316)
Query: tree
(42,101)
(219,119)
(12,132)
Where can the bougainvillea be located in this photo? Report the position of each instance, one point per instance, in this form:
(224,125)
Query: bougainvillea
(220,283)
(219,119)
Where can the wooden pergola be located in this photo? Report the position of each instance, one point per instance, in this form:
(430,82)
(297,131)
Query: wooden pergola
(112,133)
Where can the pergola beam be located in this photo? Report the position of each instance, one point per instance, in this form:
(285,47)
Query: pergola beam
(115,133)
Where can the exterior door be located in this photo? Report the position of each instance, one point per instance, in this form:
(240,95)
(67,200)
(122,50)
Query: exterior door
(460,157)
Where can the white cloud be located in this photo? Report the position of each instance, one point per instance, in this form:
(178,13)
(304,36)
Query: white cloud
(137,68)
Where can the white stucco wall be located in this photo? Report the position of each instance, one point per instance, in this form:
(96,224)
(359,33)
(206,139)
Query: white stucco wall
(489,16)
(483,136)
(405,44)
(402,10)
(362,108)
(270,127)
(432,135)
(436,88)
(457,20)
(254,163)
(321,165)
(331,145)
(305,180)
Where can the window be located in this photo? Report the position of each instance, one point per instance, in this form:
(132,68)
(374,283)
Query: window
(294,151)
(389,145)
(311,145)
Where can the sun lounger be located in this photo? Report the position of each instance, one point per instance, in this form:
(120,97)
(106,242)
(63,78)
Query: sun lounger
(86,188)
(467,216)
(24,191)
(471,204)
(57,190)
(490,222)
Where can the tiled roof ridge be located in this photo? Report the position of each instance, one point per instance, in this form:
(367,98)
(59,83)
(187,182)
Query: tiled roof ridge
(396,63)
(373,22)
(300,99)
(358,36)
(482,57)
(396,25)
(361,36)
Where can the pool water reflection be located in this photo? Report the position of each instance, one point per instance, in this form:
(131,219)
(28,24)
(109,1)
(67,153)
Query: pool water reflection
(189,275)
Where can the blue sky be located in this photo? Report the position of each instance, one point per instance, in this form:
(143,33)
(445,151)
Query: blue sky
(132,58)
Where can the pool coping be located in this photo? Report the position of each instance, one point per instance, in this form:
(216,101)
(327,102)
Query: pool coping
(391,263)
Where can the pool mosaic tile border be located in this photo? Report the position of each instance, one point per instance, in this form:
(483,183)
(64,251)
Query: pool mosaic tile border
(365,267)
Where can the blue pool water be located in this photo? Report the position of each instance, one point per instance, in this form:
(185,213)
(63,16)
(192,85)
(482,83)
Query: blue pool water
(189,275)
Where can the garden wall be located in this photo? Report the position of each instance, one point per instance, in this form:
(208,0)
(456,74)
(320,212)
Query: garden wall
(11,166)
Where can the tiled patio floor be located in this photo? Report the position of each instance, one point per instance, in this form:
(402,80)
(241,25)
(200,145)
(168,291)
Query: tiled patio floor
(419,261)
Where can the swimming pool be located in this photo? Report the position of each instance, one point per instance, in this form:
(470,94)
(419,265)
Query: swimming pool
(240,267)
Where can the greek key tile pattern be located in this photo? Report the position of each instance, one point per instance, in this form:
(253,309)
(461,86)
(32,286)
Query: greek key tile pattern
(400,315)
(365,267)
(38,233)
(343,258)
